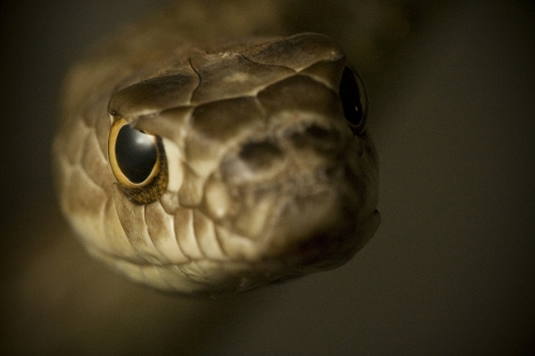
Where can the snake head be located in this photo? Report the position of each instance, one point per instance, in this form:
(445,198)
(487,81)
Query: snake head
(235,167)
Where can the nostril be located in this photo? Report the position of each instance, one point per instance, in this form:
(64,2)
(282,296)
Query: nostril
(260,155)
(315,137)
(255,161)
(318,133)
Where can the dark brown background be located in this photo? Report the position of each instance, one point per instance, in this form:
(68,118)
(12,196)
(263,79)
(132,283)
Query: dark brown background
(450,271)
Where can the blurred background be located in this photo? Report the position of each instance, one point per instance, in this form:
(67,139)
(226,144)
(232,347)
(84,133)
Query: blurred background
(451,269)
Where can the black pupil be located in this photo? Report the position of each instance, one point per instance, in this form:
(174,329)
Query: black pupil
(349,93)
(136,154)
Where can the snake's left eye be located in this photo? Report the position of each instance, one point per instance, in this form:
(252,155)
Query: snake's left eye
(138,162)
(354,100)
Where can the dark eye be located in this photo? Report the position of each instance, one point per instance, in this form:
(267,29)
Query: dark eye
(138,162)
(354,101)
(136,154)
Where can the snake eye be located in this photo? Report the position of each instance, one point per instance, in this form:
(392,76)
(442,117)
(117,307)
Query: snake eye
(354,101)
(138,162)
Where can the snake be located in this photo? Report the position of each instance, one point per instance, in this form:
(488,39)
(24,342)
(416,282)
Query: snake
(211,163)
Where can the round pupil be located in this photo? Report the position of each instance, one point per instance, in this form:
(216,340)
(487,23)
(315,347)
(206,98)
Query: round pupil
(349,93)
(136,154)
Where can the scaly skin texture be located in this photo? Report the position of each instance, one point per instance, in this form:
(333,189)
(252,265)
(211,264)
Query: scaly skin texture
(266,180)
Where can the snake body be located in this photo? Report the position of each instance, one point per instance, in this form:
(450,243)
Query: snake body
(257,165)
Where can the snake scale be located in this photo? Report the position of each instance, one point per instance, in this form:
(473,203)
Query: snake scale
(213,162)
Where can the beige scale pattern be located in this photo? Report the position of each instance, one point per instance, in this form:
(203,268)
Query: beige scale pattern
(265,179)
